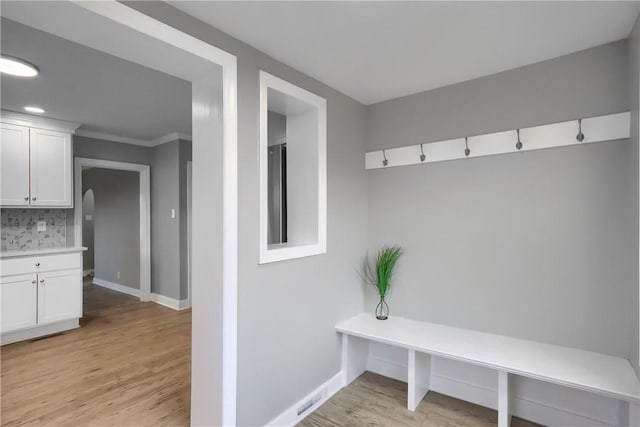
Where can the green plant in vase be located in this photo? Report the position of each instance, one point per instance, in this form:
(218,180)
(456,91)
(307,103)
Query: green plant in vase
(377,271)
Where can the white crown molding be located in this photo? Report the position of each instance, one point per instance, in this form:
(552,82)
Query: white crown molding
(112,137)
(135,141)
(39,122)
(29,120)
(170,137)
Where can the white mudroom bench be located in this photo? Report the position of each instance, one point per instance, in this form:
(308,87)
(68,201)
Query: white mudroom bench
(585,370)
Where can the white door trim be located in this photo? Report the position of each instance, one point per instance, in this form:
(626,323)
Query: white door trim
(216,404)
(145,212)
(189,222)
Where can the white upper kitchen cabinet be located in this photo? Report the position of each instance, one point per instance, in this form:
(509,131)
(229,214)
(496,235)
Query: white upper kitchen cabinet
(14,165)
(37,161)
(51,169)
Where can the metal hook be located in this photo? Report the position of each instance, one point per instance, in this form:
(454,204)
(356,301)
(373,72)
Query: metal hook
(466,145)
(385,162)
(422,156)
(580,136)
(519,143)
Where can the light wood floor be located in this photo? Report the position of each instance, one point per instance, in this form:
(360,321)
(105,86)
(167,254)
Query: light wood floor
(128,365)
(373,400)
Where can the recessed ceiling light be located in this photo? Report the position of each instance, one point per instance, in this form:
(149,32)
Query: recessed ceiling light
(32,109)
(17,67)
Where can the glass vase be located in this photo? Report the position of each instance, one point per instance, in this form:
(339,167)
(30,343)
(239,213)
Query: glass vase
(382,309)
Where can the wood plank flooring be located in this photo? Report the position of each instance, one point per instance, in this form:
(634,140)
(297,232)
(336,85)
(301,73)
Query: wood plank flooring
(128,365)
(374,400)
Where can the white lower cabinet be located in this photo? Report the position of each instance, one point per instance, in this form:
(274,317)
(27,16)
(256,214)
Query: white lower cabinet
(39,295)
(18,296)
(59,296)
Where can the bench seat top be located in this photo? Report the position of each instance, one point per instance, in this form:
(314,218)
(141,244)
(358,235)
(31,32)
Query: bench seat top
(585,370)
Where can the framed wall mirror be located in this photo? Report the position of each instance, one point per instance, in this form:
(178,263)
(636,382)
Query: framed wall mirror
(293,171)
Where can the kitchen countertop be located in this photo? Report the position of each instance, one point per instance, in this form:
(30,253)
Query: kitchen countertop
(43,251)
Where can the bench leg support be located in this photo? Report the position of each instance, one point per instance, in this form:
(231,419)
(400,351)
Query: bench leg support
(355,352)
(504,416)
(419,376)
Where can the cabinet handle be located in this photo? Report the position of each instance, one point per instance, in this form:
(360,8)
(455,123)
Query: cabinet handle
(33,282)
(34,198)
(37,264)
(26,198)
(41,280)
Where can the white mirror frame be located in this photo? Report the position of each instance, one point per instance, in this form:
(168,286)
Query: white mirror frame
(285,252)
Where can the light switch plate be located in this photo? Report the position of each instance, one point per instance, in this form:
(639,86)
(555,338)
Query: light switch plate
(42,225)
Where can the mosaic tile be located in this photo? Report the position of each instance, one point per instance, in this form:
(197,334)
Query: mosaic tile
(20,229)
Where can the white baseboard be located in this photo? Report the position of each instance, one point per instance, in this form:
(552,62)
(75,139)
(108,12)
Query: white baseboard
(532,400)
(170,302)
(87,271)
(157,298)
(293,415)
(38,331)
(116,287)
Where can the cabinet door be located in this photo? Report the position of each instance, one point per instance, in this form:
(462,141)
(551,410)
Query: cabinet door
(51,169)
(18,296)
(59,296)
(14,165)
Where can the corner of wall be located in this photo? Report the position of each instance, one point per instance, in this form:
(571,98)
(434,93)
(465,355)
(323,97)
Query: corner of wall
(634,85)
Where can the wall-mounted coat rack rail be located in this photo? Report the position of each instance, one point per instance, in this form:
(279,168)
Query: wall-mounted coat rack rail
(612,127)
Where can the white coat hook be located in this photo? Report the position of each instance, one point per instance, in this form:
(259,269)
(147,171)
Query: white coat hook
(466,147)
(519,143)
(580,135)
(422,156)
(385,162)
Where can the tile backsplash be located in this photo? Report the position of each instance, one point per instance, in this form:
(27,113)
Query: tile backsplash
(20,229)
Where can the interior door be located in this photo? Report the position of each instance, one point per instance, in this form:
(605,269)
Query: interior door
(59,296)
(18,296)
(51,170)
(14,165)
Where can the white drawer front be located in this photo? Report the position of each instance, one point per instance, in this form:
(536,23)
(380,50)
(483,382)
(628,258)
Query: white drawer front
(39,263)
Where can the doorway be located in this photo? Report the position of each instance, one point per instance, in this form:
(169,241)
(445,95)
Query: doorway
(137,37)
(142,224)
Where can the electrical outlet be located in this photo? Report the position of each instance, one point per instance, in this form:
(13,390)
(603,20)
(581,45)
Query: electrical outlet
(173,213)
(42,225)
(118,274)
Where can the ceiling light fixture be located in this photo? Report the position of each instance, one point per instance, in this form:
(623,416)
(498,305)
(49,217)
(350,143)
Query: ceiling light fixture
(17,67)
(32,109)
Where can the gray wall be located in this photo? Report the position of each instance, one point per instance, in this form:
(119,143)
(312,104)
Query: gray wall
(109,150)
(534,245)
(87,228)
(634,91)
(168,188)
(287,345)
(116,224)
(165,231)
(184,157)
(277,129)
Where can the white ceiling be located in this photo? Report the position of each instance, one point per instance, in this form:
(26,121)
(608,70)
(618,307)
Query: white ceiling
(374,51)
(111,97)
